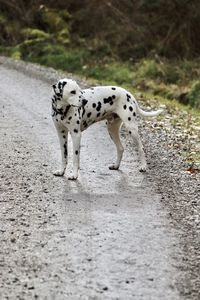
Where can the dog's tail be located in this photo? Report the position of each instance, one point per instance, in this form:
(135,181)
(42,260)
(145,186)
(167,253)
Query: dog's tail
(147,113)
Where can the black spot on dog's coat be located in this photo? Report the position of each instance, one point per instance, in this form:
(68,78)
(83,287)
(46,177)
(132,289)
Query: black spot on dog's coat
(64,83)
(89,114)
(85,124)
(130,108)
(98,106)
(65,151)
(108,100)
(105,100)
(59,85)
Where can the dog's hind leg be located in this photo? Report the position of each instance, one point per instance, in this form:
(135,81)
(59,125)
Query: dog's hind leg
(114,131)
(62,132)
(133,131)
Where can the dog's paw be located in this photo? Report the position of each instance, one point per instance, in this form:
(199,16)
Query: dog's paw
(143,168)
(72,177)
(59,173)
(113,167)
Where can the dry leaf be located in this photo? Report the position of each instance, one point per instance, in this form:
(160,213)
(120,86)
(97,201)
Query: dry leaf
(192,170)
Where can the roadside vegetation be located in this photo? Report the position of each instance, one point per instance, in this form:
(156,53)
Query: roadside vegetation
(150,47)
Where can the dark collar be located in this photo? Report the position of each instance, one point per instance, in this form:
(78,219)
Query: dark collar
(60,111)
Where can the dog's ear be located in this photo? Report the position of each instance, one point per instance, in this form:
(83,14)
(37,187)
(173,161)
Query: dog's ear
(63,84)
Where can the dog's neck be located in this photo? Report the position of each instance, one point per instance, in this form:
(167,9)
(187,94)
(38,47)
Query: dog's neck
(62,111)
(55,110)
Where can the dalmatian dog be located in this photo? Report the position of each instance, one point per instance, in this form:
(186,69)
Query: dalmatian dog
(74,110)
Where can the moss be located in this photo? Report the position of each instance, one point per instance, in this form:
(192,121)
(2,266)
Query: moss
(151,69)
(63,36)
(12,29)
(54,55)
(194,95)
(2,19)
(53,20)
(34,33)
(65,15)
(15,53)
(113,73)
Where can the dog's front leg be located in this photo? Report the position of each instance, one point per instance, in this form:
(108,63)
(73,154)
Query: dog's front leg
(63,139)
(76,139)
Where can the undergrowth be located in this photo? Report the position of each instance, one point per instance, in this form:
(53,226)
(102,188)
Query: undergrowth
(49,39)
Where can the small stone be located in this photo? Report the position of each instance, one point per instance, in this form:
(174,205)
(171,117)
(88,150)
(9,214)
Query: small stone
(31,287)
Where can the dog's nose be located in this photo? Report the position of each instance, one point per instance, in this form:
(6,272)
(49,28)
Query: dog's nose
(84,102)
(54,86)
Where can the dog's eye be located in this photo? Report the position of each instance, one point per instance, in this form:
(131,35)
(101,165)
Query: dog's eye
(73,92)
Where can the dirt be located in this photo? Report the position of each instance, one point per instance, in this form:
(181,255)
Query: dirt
(109,235)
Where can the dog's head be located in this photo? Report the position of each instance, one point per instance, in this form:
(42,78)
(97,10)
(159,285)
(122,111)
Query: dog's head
(67,92)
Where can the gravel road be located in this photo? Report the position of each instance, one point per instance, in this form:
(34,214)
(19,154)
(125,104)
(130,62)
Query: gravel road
(111,234)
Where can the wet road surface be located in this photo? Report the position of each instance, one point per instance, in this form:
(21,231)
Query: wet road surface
(105,236)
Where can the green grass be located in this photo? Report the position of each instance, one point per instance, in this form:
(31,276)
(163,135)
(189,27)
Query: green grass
(168,79)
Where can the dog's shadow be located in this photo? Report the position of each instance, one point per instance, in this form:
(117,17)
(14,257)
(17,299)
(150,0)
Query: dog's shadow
(103,184)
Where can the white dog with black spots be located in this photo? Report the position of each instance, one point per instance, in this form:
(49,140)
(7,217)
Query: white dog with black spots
(74,110)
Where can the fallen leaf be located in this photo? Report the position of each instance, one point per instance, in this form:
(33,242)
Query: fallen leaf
(192,170)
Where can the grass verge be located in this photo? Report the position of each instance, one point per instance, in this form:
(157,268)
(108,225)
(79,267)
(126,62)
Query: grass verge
(154,83)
